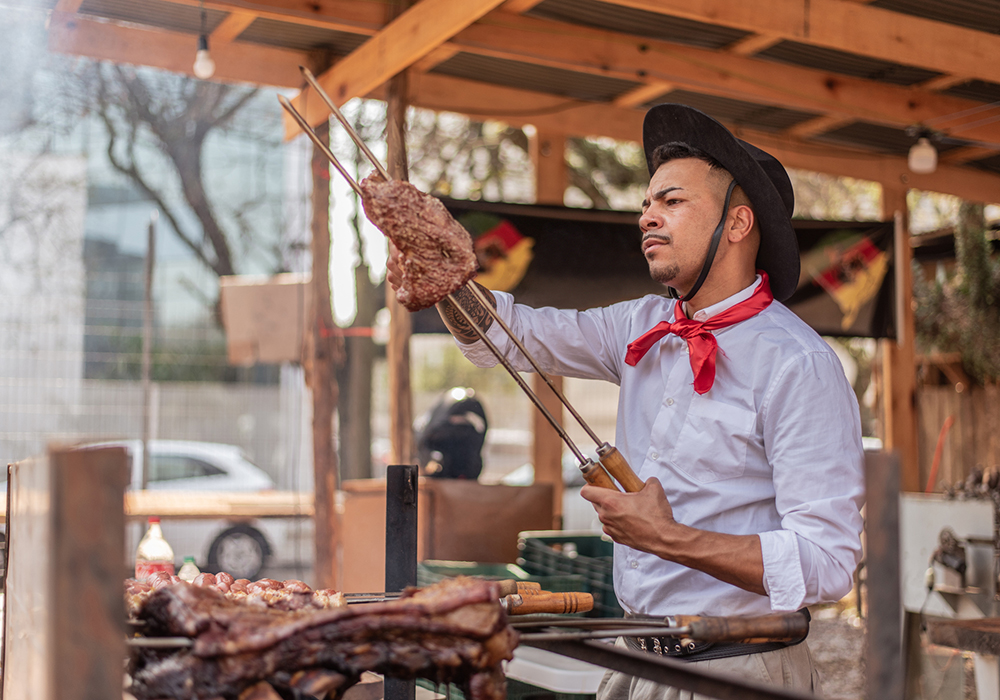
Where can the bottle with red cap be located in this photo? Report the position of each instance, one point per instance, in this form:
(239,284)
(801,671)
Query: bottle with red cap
(154,553)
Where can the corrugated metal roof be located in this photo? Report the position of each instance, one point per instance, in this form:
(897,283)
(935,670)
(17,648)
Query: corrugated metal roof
(982,15)
(991,164)
(162,15)
(652,25)
(526,76)
(749,114)
(980,90)
(845,63)
(301,37)
(877,137)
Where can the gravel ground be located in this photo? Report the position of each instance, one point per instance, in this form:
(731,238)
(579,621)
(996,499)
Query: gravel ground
(837,643)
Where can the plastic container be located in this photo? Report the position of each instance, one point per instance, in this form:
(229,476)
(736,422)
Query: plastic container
(567,553)
(189,570)
(431,571)
(539,672)
(153,553)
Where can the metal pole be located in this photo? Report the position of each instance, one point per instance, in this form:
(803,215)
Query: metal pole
(147,344)
(400,550)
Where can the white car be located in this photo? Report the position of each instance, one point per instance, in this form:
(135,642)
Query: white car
(242,548)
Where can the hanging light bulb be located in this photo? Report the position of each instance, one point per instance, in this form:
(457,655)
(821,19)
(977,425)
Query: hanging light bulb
(923,157)
(204,66)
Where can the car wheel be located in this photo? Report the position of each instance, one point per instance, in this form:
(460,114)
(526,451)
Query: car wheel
(240,551)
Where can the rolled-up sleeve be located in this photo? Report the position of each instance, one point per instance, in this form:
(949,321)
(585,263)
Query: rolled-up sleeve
(812,434)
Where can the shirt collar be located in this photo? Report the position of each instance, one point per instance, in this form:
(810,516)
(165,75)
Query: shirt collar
(729,302)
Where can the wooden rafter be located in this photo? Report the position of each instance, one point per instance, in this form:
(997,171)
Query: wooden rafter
(231,27)
(519,6)
(173,51)
(407,39)
(605,53)
(753,43)
(647,92)
(849,26)
(520,107)
(943,82)
(958,156)
(819,125)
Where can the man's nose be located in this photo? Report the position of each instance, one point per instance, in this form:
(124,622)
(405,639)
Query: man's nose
(647,221)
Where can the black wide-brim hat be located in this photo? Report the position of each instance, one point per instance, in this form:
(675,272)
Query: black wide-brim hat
(761,176)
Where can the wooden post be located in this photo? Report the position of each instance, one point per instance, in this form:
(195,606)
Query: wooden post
(400,326)
(549,155)
(327,353)
(899,356)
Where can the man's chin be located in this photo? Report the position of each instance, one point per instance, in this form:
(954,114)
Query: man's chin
(664,274)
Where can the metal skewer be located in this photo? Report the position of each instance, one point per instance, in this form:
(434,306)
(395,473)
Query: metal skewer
(593,473)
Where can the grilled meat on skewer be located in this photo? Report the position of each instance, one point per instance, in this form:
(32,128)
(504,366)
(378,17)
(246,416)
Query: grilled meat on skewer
(436,255)
(454,631)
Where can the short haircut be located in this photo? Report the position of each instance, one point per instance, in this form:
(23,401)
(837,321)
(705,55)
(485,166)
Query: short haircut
(676,150)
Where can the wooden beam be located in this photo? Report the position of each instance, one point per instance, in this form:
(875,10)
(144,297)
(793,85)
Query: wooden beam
(646,92)
(519,6)
(899,356)
(849,26)
(338,15)
(819,125)
(943,82)
(957,156)
(231,27)
(172,51)
(435,58)
(600,52)
(519,107)
(754,43)
(69,6)
(408,38)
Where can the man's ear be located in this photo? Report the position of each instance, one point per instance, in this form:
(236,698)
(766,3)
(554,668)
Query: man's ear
(741,222)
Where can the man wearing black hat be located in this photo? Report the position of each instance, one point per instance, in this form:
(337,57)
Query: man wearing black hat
(734,412)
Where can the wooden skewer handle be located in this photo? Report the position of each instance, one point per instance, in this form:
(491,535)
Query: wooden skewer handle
(549,603)
(785,627)
(596,476)
(512,587)
(614,462)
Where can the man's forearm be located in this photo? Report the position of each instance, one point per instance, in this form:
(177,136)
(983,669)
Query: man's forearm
(457,323)
(735,559)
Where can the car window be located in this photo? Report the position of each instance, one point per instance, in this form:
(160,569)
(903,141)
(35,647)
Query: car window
(170,467)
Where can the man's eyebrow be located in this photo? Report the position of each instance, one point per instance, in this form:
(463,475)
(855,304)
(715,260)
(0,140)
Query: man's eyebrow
(660,194)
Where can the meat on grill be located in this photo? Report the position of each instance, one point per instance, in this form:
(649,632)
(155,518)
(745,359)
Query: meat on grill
(265,593)
(454,631)
(436,254)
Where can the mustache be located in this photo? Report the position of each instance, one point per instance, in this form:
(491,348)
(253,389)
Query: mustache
(657,236)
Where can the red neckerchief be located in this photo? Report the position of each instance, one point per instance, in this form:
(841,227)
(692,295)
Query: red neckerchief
(698,334)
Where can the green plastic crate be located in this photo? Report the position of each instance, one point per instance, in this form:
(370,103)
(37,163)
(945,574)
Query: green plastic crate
(565,553)
(431,571)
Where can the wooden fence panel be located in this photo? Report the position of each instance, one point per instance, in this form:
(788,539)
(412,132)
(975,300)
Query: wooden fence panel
(973,439)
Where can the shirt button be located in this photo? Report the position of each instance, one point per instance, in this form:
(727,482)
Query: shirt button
(670,402)
(634,564)
(655,455)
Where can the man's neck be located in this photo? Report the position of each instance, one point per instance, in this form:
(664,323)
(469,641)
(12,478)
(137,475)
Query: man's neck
(712,292)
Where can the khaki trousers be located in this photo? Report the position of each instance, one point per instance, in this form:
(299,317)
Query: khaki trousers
(790,667)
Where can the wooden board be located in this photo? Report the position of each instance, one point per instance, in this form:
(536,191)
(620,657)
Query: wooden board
(64,628)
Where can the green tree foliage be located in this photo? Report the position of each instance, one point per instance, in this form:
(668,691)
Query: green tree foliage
(958,312)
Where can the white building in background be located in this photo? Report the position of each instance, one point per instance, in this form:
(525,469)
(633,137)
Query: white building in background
(43,202)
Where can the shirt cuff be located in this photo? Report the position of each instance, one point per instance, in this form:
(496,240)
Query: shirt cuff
(783,577)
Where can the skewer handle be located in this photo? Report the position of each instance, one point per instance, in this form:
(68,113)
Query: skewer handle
(785,627)
(596,476)
(549,603)
(512,587)
(614,462)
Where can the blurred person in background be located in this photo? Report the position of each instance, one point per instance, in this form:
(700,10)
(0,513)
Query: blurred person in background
(450,436)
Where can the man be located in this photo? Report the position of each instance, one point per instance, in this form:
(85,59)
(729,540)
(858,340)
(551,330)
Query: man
(736,414)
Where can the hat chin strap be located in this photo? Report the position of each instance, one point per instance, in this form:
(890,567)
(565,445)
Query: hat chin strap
(713,246)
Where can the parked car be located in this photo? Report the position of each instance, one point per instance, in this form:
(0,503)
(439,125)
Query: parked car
(242,548)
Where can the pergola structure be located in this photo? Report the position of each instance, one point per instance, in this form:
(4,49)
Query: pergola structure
(842,87)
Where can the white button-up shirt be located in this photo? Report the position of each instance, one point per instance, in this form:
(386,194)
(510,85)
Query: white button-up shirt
(773,449)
